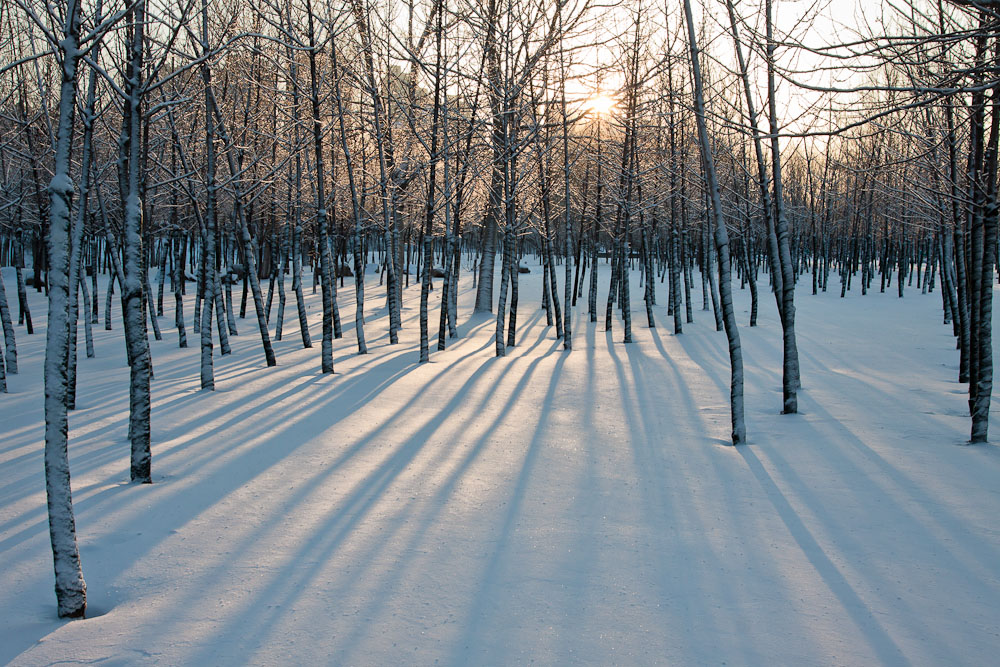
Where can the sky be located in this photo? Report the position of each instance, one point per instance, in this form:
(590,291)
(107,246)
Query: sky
(814,23)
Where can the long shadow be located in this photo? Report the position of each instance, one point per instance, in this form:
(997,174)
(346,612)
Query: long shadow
(649,453)
(932,509)
(887,651)
(92,459)
(581,559)
(14,436)
(849,531)
(491,575)
(340,523)
(712,357)
(649,449)
(386,371)
(437,502)
(720,406)
(95,459)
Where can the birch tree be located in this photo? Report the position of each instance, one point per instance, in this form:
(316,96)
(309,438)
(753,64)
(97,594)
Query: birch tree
(134,278)
(71,589)
(721,238)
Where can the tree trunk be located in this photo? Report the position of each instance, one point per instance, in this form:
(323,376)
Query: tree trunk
(721,240)
(8,331)
(132,290)
(71,590)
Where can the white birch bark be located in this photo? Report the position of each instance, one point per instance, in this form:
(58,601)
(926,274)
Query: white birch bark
(567,221)
(71,590)
(721,240)
(249,246)
(179,277)
(8,331)
(386,166)
(296,208)
(76,242)
(132,291)
(359,263)
(428,254)
(326,278)
(790,351)
(24,312)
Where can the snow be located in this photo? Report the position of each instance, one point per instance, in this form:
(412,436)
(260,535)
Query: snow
(546,507)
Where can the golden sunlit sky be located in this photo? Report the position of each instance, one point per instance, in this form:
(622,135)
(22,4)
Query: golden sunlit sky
(814,23)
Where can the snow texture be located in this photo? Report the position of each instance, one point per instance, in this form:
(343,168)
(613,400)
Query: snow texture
(549,507)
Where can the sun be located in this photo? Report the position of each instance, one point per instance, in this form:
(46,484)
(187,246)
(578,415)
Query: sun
(600,104)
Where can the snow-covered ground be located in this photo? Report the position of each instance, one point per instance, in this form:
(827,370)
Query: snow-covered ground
(545,507)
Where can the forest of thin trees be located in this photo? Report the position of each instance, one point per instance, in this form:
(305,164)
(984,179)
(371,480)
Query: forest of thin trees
(246,151)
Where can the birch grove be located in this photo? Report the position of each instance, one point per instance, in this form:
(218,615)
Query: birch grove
(419,145)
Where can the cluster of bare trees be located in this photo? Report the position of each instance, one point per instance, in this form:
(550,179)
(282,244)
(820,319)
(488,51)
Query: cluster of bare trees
(212,143)
(909,185)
